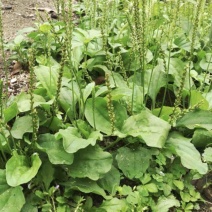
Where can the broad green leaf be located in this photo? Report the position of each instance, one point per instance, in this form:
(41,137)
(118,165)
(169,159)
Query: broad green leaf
(48,78)
(124,190)
(121,92)
(131,62)
(23,101)
(207,155)
(103,90)
(67,101)
(146,178)
(97,60)
(89,34)
(87,91)
(85,185)
(45,28)
(84,128)
(151,129)
(54,150)
(179,184)
(12,199)
(29,207)
(196,98)
(18,39)
(116,80)
(100,67)
(5,146)
(176,68)
(186,24)
(183,43)
(91,162)
(10,112)
(26,30)
(202,138)
(164,113)
(188,154)
(46,173)
(46,61)
(78,35)
(148,56)
(97,114)
(54,123)
(206,63)
(137,102)
(110,181)
(151,187)
(208,97)
(73,141)
(185,196)
(134,198)
(165,203)
(62,208)
(196,119)
(154,80)
(94,47)
(133,162)
(78,48)
(21,169)
(3,182)
(21,126)
(114,205)
(189,206)
(77,53)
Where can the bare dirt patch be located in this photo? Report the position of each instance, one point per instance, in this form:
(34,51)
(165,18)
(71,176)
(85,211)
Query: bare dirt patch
(18,14)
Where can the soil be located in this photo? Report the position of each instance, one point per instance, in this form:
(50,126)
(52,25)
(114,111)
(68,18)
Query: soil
(18,14)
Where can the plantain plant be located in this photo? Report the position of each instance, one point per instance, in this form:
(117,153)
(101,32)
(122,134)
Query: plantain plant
(118,112)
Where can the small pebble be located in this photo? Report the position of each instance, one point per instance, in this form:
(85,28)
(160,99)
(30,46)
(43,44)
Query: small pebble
(13,80)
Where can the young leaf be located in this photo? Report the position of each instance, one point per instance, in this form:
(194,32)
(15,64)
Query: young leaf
(12,199)
(20,169)
(91,162)
(54,150)
(136,163)
(188,154)
(179,184)
(151,129)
